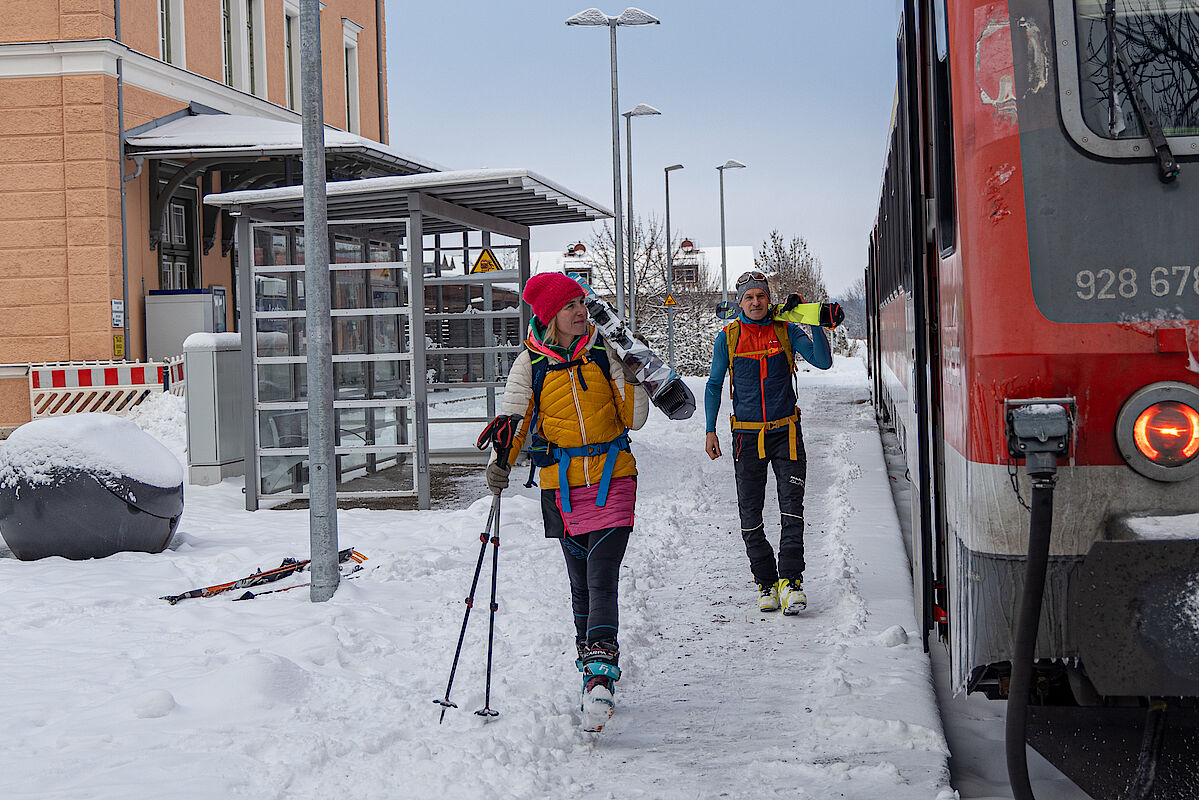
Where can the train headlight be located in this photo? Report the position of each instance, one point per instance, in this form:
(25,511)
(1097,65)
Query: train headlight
(1157,431)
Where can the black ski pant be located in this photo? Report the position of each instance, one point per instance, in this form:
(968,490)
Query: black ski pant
(593,565)
(789,477)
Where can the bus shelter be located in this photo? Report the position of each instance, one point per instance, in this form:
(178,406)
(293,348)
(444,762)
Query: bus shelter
(425,276)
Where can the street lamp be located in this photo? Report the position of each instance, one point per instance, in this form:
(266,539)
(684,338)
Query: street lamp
(594,18)
(642,110)
(669,273)
(724,270)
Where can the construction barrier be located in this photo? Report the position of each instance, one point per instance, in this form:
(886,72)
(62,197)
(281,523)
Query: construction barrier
(110,387)
(176,383)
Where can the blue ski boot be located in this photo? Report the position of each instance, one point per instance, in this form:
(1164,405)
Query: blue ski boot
(600,673)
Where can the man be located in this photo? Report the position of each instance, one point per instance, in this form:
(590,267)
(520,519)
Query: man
(758,352)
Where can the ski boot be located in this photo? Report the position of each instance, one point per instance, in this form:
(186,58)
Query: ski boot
(791,593)
(581,646)
(768,596)
(600,673)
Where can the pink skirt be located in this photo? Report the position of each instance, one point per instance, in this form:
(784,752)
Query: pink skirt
(585,516)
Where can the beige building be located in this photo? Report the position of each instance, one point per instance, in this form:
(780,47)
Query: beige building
(117,117)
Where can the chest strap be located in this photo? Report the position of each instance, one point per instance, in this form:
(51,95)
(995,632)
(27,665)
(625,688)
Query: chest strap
(764,428)
(563,456)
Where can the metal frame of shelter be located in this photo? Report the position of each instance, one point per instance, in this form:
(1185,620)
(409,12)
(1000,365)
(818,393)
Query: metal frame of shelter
(381,232)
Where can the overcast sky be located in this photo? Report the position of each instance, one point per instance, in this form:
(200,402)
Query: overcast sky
(798,90)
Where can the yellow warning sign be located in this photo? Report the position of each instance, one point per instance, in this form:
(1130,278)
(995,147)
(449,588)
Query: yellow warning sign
(118,345)
(669,300)
(486,262)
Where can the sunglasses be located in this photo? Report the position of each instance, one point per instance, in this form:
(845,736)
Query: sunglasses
(752,275)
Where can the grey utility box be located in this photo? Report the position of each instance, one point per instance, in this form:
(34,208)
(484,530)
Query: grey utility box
(174,314)
(216,398)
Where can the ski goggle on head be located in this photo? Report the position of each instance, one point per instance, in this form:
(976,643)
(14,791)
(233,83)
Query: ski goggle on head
(752,275)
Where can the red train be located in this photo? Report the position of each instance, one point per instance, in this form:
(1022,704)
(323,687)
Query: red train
(1033,291)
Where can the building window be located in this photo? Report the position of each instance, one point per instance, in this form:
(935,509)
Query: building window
(177,258)
(227,41)
(170,32)
(246,47)
(291,49)
(350,31)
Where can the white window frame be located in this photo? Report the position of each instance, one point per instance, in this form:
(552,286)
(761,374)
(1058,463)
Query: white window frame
(175,35)
(350,31)
(291,28)
(243,28)
(228,69)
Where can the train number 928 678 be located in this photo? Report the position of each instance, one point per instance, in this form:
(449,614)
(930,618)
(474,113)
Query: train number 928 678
(1126,283)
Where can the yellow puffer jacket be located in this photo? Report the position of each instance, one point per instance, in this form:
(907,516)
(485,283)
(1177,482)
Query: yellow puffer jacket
(579,406)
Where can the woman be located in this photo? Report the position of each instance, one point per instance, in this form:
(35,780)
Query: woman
(580,405)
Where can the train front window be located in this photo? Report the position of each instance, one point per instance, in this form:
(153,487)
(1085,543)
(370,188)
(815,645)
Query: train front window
(1160,43)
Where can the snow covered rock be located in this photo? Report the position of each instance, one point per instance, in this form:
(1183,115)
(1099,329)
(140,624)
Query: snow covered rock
(87,486)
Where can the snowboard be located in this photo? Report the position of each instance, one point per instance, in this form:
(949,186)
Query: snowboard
(666,389)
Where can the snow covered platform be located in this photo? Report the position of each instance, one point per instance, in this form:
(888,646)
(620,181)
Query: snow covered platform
(279,697)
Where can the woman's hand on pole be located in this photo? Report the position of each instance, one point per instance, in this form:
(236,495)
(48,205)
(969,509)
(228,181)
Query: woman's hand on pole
(497,477)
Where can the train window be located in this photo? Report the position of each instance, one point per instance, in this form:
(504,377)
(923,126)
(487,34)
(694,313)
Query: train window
(1159,40)
(943,138)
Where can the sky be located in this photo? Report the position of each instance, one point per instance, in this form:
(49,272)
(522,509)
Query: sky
(799,91)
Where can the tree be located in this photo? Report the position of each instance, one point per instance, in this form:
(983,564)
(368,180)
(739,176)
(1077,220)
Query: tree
(696,323)
(791,267)
(853,302)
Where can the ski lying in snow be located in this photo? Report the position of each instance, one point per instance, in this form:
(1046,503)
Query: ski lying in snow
(290,566)
(804,313)
(666,389)
(251,595)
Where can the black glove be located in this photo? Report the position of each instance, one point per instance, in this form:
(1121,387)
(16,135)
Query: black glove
(794,299)
(831,315)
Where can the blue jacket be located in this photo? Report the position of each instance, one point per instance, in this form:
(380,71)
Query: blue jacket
(747,391)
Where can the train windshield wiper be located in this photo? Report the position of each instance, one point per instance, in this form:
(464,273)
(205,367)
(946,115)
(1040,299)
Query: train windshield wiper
(1167,164)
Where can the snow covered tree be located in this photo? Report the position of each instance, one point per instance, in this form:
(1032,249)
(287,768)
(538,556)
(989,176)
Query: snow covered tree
(791,267)
(853,302)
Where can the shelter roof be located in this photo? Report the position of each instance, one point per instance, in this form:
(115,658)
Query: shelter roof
(512,195)
(202,134)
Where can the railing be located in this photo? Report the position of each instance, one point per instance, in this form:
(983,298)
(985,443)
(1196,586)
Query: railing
(79,387)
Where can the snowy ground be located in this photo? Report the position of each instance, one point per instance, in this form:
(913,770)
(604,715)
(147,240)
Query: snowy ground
(109,692)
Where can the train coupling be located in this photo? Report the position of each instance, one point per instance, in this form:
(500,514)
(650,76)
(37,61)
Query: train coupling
(1039,430)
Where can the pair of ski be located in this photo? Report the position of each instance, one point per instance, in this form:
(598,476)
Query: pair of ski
(290,566)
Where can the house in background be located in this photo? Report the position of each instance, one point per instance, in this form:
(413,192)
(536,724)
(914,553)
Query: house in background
(118,117)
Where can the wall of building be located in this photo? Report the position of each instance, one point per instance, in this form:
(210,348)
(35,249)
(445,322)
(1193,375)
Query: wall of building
(60,178)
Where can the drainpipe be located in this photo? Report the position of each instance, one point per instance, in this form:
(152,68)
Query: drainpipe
(121,161)
(382,73)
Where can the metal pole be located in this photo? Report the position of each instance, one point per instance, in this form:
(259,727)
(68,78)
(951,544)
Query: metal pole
(416,328)
(617,235)
(628,143)
(669,279)
(724,270)
(322,486)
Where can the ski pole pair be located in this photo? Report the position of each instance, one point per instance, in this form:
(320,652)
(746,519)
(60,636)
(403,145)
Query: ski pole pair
(499,433)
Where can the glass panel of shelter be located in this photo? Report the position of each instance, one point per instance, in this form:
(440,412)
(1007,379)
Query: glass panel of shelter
(372,362)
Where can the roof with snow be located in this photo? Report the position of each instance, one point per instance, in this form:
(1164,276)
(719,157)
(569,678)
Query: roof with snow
(208,135)
(512,195)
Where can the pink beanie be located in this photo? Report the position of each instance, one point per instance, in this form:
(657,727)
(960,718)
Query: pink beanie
(549,292)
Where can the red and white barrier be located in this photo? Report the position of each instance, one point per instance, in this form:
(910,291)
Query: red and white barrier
(105,386)
(83,376)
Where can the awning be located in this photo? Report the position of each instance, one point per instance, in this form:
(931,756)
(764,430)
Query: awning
(510,195)
(237,137)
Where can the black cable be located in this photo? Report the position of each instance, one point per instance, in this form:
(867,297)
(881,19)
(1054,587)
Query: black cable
(1020,684)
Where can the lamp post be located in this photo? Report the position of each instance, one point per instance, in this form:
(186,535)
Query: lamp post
(724,270)
(594,18)
(669,273)
(642,110)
